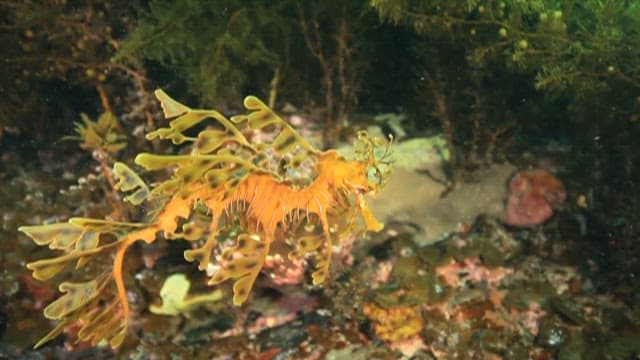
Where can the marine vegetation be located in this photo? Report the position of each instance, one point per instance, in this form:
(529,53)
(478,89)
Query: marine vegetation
(280,189)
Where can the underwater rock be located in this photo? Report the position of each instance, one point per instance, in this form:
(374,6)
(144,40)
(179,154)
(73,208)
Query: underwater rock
(551,334)
(532,196)
(415,198)
(399,327)
(567,309)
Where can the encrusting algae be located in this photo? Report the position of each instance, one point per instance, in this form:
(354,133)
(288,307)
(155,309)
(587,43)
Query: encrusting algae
(225,183)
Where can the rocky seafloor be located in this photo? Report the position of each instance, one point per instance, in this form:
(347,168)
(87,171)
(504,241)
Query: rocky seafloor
(483,290)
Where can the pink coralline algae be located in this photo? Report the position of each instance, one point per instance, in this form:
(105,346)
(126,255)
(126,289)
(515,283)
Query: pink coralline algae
(472,270)
(533,194)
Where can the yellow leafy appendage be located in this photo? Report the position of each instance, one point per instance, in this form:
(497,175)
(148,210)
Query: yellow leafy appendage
(274,190)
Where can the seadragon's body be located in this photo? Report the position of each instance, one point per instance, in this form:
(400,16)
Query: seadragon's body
(231,183)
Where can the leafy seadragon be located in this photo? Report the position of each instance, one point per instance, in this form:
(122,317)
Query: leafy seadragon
(231,183)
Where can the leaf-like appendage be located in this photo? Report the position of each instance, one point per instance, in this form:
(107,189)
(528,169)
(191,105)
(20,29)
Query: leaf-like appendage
(210,140)
(261,115)
(181,123)
(157,162)
(46,269)
(79,239)
(177,126)
(230,186)
(217,177)
(104,225)
(170,107)
(80,305)
(242,288)
(89,328)
(192,232)
(201,255)
(167,133)
(183,117)
(322,268)
(243,262)
(63,236)
(371,223)
(246,244)
(76,296)
(62,325)
(236,268)
(118,338)
(306,244)
(196,167)
(286,141)
(89,240)
(311,245)
(195,171)
(128,180)
(59,236)
(113,330)
(167,187)
(105,325)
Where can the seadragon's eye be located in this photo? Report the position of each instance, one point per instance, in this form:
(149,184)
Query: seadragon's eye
(375,175)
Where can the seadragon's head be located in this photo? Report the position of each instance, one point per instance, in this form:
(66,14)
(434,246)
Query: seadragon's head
(365,175)
(375,153)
